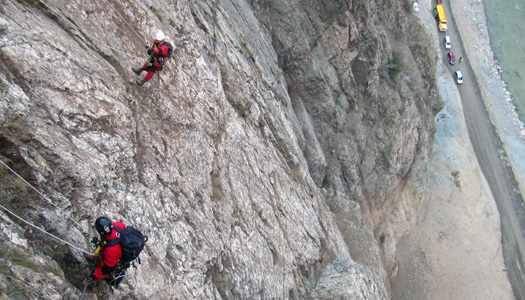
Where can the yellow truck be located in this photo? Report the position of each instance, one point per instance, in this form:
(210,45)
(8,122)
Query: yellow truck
(439,13)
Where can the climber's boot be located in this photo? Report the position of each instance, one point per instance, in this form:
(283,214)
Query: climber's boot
(137,70)
(141,81)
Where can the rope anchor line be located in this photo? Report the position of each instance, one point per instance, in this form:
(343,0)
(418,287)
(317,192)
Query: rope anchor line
(33,225)
(40,193)
(57,12)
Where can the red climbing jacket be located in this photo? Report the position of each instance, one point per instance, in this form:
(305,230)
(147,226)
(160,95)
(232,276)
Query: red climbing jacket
(160,51)
(157,59)
(109,256)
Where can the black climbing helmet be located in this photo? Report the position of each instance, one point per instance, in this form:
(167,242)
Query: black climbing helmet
(103,226)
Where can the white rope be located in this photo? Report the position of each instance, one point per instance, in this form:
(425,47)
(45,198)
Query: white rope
(31,224)
(79,28)
(127,23)
(40,193)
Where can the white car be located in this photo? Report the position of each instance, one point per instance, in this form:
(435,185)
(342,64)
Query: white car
(459,77)
(447,42)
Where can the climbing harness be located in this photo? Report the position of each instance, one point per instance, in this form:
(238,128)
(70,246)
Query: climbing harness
(150,62)
(116,276)
(128,240)
(161,65)
(161,61)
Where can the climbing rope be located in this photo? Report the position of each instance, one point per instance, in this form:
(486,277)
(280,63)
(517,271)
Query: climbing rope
(83,31)
(127,23)
(49,200)
(33,225)
(40,193)
(88,283)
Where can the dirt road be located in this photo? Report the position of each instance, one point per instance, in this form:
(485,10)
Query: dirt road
(467,243)
(490,154)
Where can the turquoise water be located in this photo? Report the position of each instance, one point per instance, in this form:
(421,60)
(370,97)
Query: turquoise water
(506,24)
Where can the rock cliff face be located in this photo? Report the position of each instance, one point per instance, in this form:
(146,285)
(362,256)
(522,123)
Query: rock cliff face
(276,156)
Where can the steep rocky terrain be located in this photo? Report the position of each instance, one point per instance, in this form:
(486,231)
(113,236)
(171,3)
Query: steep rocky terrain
(276,156)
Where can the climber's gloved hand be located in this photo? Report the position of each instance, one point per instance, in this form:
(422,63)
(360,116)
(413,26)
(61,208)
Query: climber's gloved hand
(89,279)
(94,240)
(150,51)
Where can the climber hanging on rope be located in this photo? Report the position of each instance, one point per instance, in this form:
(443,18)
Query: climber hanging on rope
(159,52)
(118,247)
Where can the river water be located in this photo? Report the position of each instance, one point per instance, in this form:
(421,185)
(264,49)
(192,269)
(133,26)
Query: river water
(506,24)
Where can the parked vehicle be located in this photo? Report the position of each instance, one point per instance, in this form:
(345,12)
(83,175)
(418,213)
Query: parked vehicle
(439,13)
(447,42)
(459,77)
(451,58)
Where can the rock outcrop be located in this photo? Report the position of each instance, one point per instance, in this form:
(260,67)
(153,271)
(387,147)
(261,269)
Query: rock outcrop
(274,157)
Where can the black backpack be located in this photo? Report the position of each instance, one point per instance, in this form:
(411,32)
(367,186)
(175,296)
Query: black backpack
(132,242)
(170,49)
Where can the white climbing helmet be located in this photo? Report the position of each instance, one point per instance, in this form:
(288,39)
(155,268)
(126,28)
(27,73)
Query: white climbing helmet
(160,36)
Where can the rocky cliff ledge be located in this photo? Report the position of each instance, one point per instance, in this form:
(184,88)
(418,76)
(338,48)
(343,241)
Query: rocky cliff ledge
(276,156)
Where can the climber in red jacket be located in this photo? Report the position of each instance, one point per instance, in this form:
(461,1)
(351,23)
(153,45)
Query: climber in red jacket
(108,256)
(159,52)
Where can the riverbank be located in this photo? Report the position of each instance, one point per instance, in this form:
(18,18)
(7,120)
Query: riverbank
(470,15)
(501,158)
(508,44)
(455,250)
